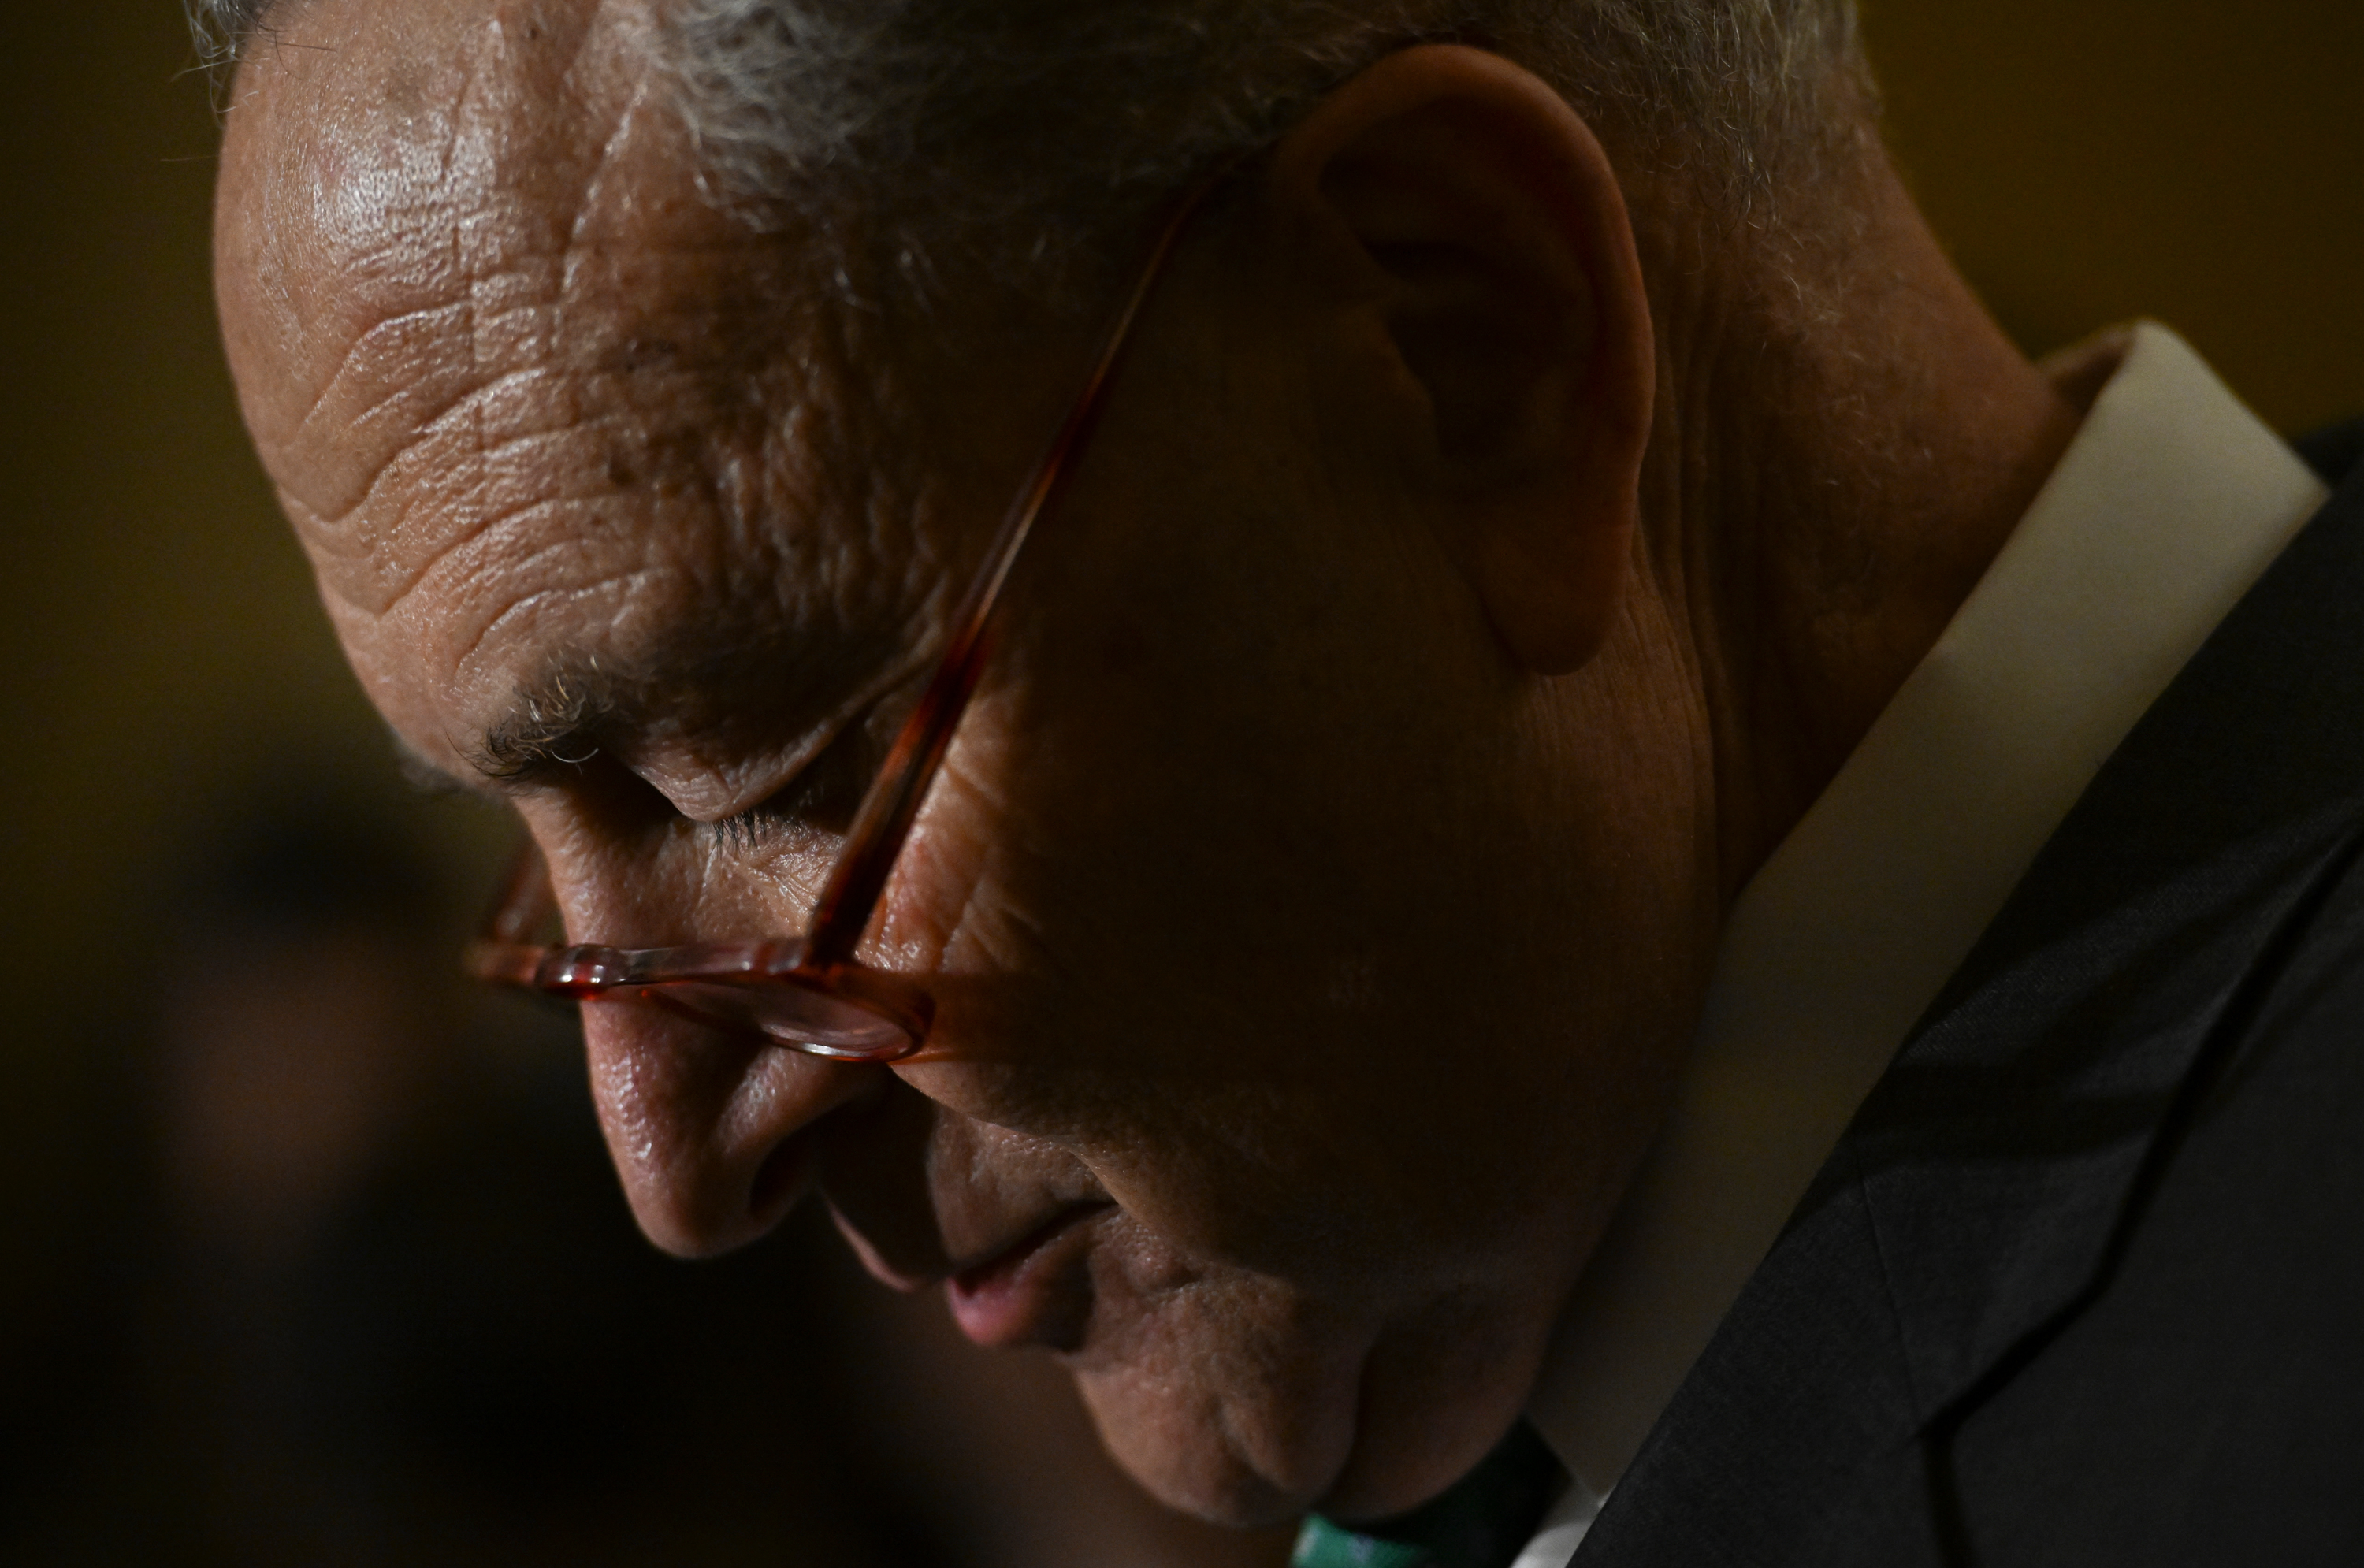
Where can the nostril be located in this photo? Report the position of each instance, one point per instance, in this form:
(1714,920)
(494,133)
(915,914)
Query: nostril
(711,1132)
(779,1182)
(789,1167)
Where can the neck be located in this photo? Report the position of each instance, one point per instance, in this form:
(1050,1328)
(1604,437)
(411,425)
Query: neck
(1832,472)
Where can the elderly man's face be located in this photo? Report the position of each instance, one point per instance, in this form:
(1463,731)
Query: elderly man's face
(1302,966)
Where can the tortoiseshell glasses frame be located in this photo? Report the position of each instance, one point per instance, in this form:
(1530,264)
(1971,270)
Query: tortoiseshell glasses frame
(810,993)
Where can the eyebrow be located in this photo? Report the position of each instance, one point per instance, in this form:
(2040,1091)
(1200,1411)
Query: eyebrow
(572,709)
(553,728)
(554,723)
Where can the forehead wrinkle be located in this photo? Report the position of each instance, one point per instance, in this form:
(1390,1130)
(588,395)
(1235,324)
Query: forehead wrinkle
(649,406)
(674,569)
(449,173)
(400,197)
(557,281)
(540,600)
(502,444)
(454,584)
(478,506)
(398,361)
(528,304)
(407,415)
(397,379)
(731,501)
(394,373)
(438,493)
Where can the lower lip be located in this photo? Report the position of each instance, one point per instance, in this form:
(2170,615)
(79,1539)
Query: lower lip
(1031,1293)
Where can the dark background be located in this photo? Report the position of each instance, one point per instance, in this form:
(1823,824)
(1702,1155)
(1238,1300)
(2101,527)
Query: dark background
(2088,161)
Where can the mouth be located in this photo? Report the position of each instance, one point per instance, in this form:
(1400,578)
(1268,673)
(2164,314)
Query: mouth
(1035,1291)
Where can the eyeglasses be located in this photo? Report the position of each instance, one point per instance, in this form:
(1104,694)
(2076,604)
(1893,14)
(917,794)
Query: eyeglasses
(809,993)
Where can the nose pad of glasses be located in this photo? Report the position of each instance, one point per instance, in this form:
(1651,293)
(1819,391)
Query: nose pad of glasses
(818,1022)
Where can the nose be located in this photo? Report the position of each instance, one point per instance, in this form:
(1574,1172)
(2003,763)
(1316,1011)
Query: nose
(713,1132)
(710,1127)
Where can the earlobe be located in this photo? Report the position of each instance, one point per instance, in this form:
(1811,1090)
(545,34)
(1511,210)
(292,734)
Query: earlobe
(1458,204)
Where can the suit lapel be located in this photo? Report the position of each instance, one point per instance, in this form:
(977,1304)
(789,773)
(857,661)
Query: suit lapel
(1980,1193)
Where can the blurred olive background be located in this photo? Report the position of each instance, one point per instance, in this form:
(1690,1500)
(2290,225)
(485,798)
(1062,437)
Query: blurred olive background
(2087,159)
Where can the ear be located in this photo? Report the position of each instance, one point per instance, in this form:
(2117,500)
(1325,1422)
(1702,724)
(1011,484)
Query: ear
(1467,222)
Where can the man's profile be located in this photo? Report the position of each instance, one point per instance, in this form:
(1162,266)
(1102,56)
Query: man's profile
(1592,802)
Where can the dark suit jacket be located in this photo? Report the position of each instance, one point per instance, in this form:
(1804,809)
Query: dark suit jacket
(2083,1283)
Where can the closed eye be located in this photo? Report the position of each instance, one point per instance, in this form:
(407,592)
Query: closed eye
(821,798)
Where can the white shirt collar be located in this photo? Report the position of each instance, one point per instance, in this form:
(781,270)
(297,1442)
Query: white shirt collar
(2166,507)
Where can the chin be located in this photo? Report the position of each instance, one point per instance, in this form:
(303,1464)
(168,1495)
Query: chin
(1212,1450)
(1351,1428)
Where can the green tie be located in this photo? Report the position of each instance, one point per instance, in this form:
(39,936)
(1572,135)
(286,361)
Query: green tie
(1481,1522)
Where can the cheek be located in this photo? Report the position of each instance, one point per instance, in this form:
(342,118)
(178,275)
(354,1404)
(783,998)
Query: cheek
(1244,1002)
(1349,1197)
(1245,810)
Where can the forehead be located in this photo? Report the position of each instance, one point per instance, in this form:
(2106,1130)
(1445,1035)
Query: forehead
(530,399)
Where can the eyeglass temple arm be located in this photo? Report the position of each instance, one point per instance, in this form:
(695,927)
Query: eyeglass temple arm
(874,841)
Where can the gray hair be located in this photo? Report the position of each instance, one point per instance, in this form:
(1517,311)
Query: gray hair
(220,27)
(1020,136)
(1023,134)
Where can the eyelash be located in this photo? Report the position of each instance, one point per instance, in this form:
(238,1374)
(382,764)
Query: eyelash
(745,832)
(820,799)
(777,825)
